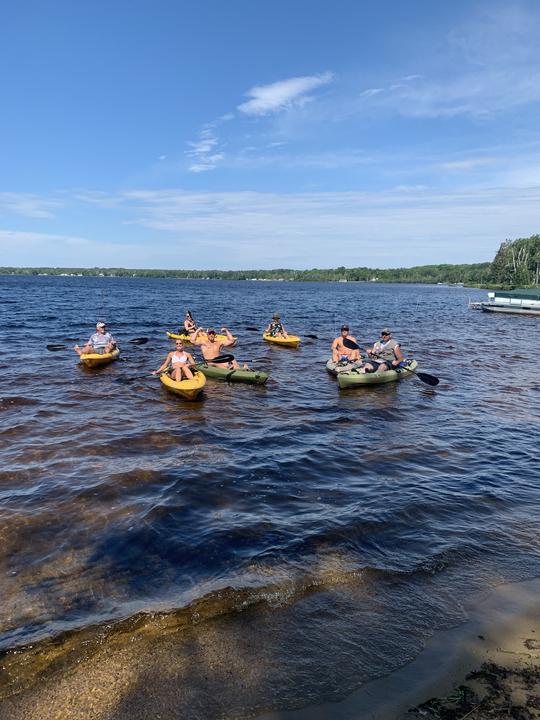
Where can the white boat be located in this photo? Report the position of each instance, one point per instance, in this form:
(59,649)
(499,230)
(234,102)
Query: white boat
(518,302)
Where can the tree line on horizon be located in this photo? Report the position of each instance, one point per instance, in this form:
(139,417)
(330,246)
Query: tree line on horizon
(516,264)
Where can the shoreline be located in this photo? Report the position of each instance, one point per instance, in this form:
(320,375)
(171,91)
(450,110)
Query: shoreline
(502,629)
(166,676)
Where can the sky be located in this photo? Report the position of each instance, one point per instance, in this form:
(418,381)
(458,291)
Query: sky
(244,135)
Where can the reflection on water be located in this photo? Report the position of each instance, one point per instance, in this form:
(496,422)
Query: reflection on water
(292,514)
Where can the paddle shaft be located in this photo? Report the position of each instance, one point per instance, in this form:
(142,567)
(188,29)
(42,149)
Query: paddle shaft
(134,341)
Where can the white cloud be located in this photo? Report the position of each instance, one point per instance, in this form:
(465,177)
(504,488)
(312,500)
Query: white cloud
(27,205)
(404,226)
(265,99)
(203,150)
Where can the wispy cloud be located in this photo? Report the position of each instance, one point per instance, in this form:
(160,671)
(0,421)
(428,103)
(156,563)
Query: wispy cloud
(203,151)
(489,65)
(28,205)
(403,226)
(265,99)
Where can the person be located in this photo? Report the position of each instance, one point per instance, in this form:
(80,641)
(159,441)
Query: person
(189,324)
(343,354)
(275,328)
(385,354)
(211,347)
(100,342)
(180,363)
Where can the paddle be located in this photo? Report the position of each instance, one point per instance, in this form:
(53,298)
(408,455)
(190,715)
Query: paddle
(134,341)
(220,359)
(254,329)
(424,377)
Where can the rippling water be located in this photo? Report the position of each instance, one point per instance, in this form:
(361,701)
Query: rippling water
(354,522)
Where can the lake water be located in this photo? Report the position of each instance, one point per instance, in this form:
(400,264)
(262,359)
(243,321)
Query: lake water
(350,525)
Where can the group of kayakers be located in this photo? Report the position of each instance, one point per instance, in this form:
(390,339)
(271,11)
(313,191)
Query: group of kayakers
(385,354)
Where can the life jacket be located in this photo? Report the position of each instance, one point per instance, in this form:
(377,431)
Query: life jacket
(385,351)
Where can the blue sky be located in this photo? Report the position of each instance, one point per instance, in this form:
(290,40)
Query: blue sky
(249,134)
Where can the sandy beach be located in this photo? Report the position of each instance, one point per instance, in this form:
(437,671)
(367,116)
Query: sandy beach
(214,673)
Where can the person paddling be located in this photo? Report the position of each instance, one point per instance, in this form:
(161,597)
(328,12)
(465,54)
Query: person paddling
(189,323)
(343,354)
(100,342)
(276,328)
(180,363)
(385,354)
(211,347)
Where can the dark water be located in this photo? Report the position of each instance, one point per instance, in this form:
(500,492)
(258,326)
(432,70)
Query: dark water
(382,509)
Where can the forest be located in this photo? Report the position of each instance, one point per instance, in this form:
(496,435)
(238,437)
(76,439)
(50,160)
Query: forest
(516,264)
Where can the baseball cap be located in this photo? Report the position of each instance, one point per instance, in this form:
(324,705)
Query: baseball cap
(344,327)
(386,331)
(100,325)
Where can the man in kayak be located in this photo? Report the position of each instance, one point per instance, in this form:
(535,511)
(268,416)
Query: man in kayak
(100,342)
(180,363)
(385,354)
(343,354)
(276,328)
(211,347)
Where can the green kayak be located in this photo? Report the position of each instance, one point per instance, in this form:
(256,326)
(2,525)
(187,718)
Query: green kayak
(253,377)
(354,378)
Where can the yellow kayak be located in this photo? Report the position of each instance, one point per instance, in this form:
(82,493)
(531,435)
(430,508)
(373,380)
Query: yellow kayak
(186,388)
(290,341)
(202,336)
(96,359)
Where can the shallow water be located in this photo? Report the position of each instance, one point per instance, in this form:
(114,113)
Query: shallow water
(350,523)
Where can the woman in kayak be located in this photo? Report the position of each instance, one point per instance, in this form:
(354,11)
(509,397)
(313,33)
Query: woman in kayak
(179,361)
(100,342)
(276,328)
(189,323)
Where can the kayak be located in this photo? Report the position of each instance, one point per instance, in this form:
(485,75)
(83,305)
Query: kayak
(292,341)
(354,378)
(335,368)
(92,360)
(252,377)
(202,336)
(188,389)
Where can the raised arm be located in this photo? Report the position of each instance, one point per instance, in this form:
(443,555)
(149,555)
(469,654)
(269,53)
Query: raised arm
(194,337)
(230,340)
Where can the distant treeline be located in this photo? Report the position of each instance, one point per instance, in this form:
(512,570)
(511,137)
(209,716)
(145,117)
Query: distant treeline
(469,274)
(516,264)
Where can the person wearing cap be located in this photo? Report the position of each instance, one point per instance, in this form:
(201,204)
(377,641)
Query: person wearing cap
(211,347)
(275,328)
(385,354)
(340,352)
(100,342)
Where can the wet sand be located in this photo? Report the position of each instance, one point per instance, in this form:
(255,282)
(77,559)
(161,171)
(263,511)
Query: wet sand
(216,670)
(489,667)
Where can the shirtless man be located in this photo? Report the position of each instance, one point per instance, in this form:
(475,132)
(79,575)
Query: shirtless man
(211,347)
(340,352)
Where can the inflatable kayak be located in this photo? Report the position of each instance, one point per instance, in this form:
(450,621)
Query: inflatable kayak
(292,341)
(92,360)
(202,336)
(354,378)
(335,368)
(252,377)
(186,388)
